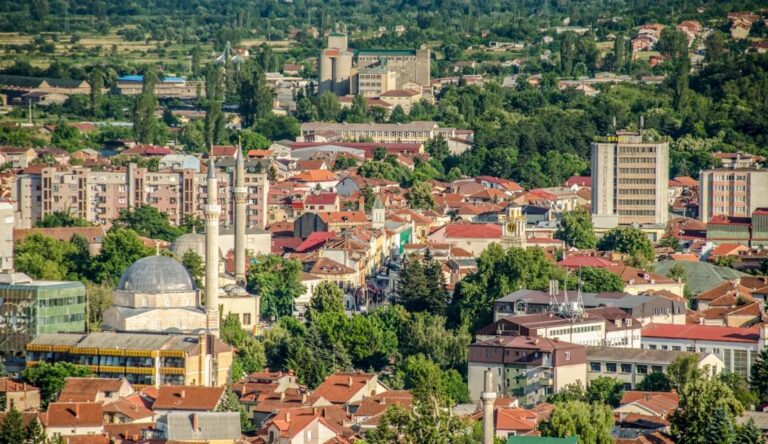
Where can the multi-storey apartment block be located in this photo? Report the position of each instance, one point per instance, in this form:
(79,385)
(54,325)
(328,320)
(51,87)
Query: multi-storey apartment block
(732,192)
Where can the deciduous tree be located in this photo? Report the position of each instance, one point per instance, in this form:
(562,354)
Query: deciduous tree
(49,378)
(705,413)
(576,229)
(590,422)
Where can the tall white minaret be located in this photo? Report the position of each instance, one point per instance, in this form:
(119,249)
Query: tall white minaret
(212,213)
(488,396)
(241,196)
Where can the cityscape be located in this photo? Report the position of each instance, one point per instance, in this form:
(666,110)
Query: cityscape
(393,222)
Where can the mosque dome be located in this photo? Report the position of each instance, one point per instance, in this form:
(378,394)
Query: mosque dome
(156,274)
(189,242)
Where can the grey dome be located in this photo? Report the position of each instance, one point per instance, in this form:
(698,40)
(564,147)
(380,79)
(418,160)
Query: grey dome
(190,241)
(156,274)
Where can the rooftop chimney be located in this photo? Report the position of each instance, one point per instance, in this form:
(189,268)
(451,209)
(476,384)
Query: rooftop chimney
(287,416)
(77,410)
(195,424)
(349,382)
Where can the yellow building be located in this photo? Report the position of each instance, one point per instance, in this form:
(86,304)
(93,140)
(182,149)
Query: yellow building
(142,359)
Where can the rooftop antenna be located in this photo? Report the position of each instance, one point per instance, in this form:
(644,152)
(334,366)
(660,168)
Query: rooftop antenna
(614,124)
(553,290)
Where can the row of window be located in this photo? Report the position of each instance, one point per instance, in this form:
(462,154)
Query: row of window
(635,181)
(648,202)
(637,170)
(60,302)
(579,329)
(612,367)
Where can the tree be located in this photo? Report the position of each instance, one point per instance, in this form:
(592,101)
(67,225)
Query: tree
(251,140)
(197,54)
(748,433)
(669,241)
(145,123)
(194,265)
(576,230)
(45,258)
(429,421)
(419,196)
(628,240)
(426,380)
(327,298)
(250,355)
(213,123)
(276,279)
(368,197)
(328,107)
(306,110)
(61,219)
(758,378)
(39,9)
(715,47)
(358,112)
(571,392)
(677,272)
(66,137)
(148,221)
(12,429)
(120,248)
(49,378)
(437,148)
(739,387)
(97,84)
(705,413)
(605,390)
(412,286)
(683,370)
(379,153)
(100,297)
(598,280)
(655,382)
(591,423)
(255,95)
(35,433)
(438,296)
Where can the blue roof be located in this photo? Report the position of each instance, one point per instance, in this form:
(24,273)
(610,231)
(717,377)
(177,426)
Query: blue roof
(140,78)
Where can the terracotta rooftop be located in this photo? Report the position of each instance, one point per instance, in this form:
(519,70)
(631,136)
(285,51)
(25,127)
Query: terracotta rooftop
(326,266)
(473,231)
(73,414)
(339,388)
(315,176)
(337,217)
(87,389)
(321,199)
(702,333)
(185,397)
(8,385)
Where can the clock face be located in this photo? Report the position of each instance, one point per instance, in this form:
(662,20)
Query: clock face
(511,227)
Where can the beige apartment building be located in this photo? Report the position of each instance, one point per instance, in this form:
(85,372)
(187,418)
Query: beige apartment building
(630,180)
(99,196)
(414,132)
(732,192)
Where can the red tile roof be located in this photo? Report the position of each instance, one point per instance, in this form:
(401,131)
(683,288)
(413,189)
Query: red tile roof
(185,397)
(727,220)
(509,185)
(702,333)
(352,217)
(314,241)
(582,181)
(73,414)
(585,261)
(473,231)
(321,199)
(224,150)
(315,176)
(8,385)
(339,388)
(87,389)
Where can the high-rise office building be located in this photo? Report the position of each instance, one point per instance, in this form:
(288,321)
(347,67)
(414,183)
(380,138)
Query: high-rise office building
(630,180)
(732,192)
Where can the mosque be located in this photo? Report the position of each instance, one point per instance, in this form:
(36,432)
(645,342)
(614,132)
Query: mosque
(157,294)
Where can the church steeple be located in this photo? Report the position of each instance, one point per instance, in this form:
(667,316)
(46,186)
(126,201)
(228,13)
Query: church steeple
(212,213)
(241,196)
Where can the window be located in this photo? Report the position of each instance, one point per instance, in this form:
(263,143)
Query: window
(246,319)
(595,366)
(642,369)
(567,356)
(657,369)
(610,367)
(676,347)
(652,347)
(716,351)
(664,347)
(626,368)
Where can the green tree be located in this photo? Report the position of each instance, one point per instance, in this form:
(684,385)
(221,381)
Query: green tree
(438,297)
(369,197)
(250,355)
(194,265)
(591,423)
(576,229)
(598,280)
(120,248)
(358,112)
(739,387)
(145,125)
(97,84)
(148,221)
(628,240)
(683,370)
(605,390)
(100,297)
(369,343)
(748,433)
(213,124)
(255,95)
(326,298)
(655,382)
(412,285)
(677,272)
(426,380)
(669,241)
(758,377)
(61,219)
(251,140)
(705,413)
(437,148)
(35,433)
(66,137)
(429,421)
(49,378)
(12,429)
(276,279)
(306,110)
(715,46)
(571,392)
(39,9)
(46,258)
(419,196)
(328,107)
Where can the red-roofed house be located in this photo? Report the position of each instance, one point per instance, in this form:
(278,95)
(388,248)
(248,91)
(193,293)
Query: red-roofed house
(306,426)
(321,202)
(224,150)
(348,388)
(315,241)
(657,404)
(578,182)
(637,281)
(577,261)
(736,347)
(19,395)
(472,237)
(499,184)
(73,418)
(322,179)
(187,398)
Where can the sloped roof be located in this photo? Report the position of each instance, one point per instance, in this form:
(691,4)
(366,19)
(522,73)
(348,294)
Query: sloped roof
(473,231)
(186,397)
(86,389)
(700,276)
(702,332)
(73,414)
(339,388)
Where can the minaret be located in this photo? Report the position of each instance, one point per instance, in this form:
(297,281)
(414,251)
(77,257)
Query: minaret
(212,212)
(378,213)
(489,398)
(241,195)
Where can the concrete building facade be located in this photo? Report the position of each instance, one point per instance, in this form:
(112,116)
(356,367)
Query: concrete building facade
(99,196)
(630,180)
(732,192)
